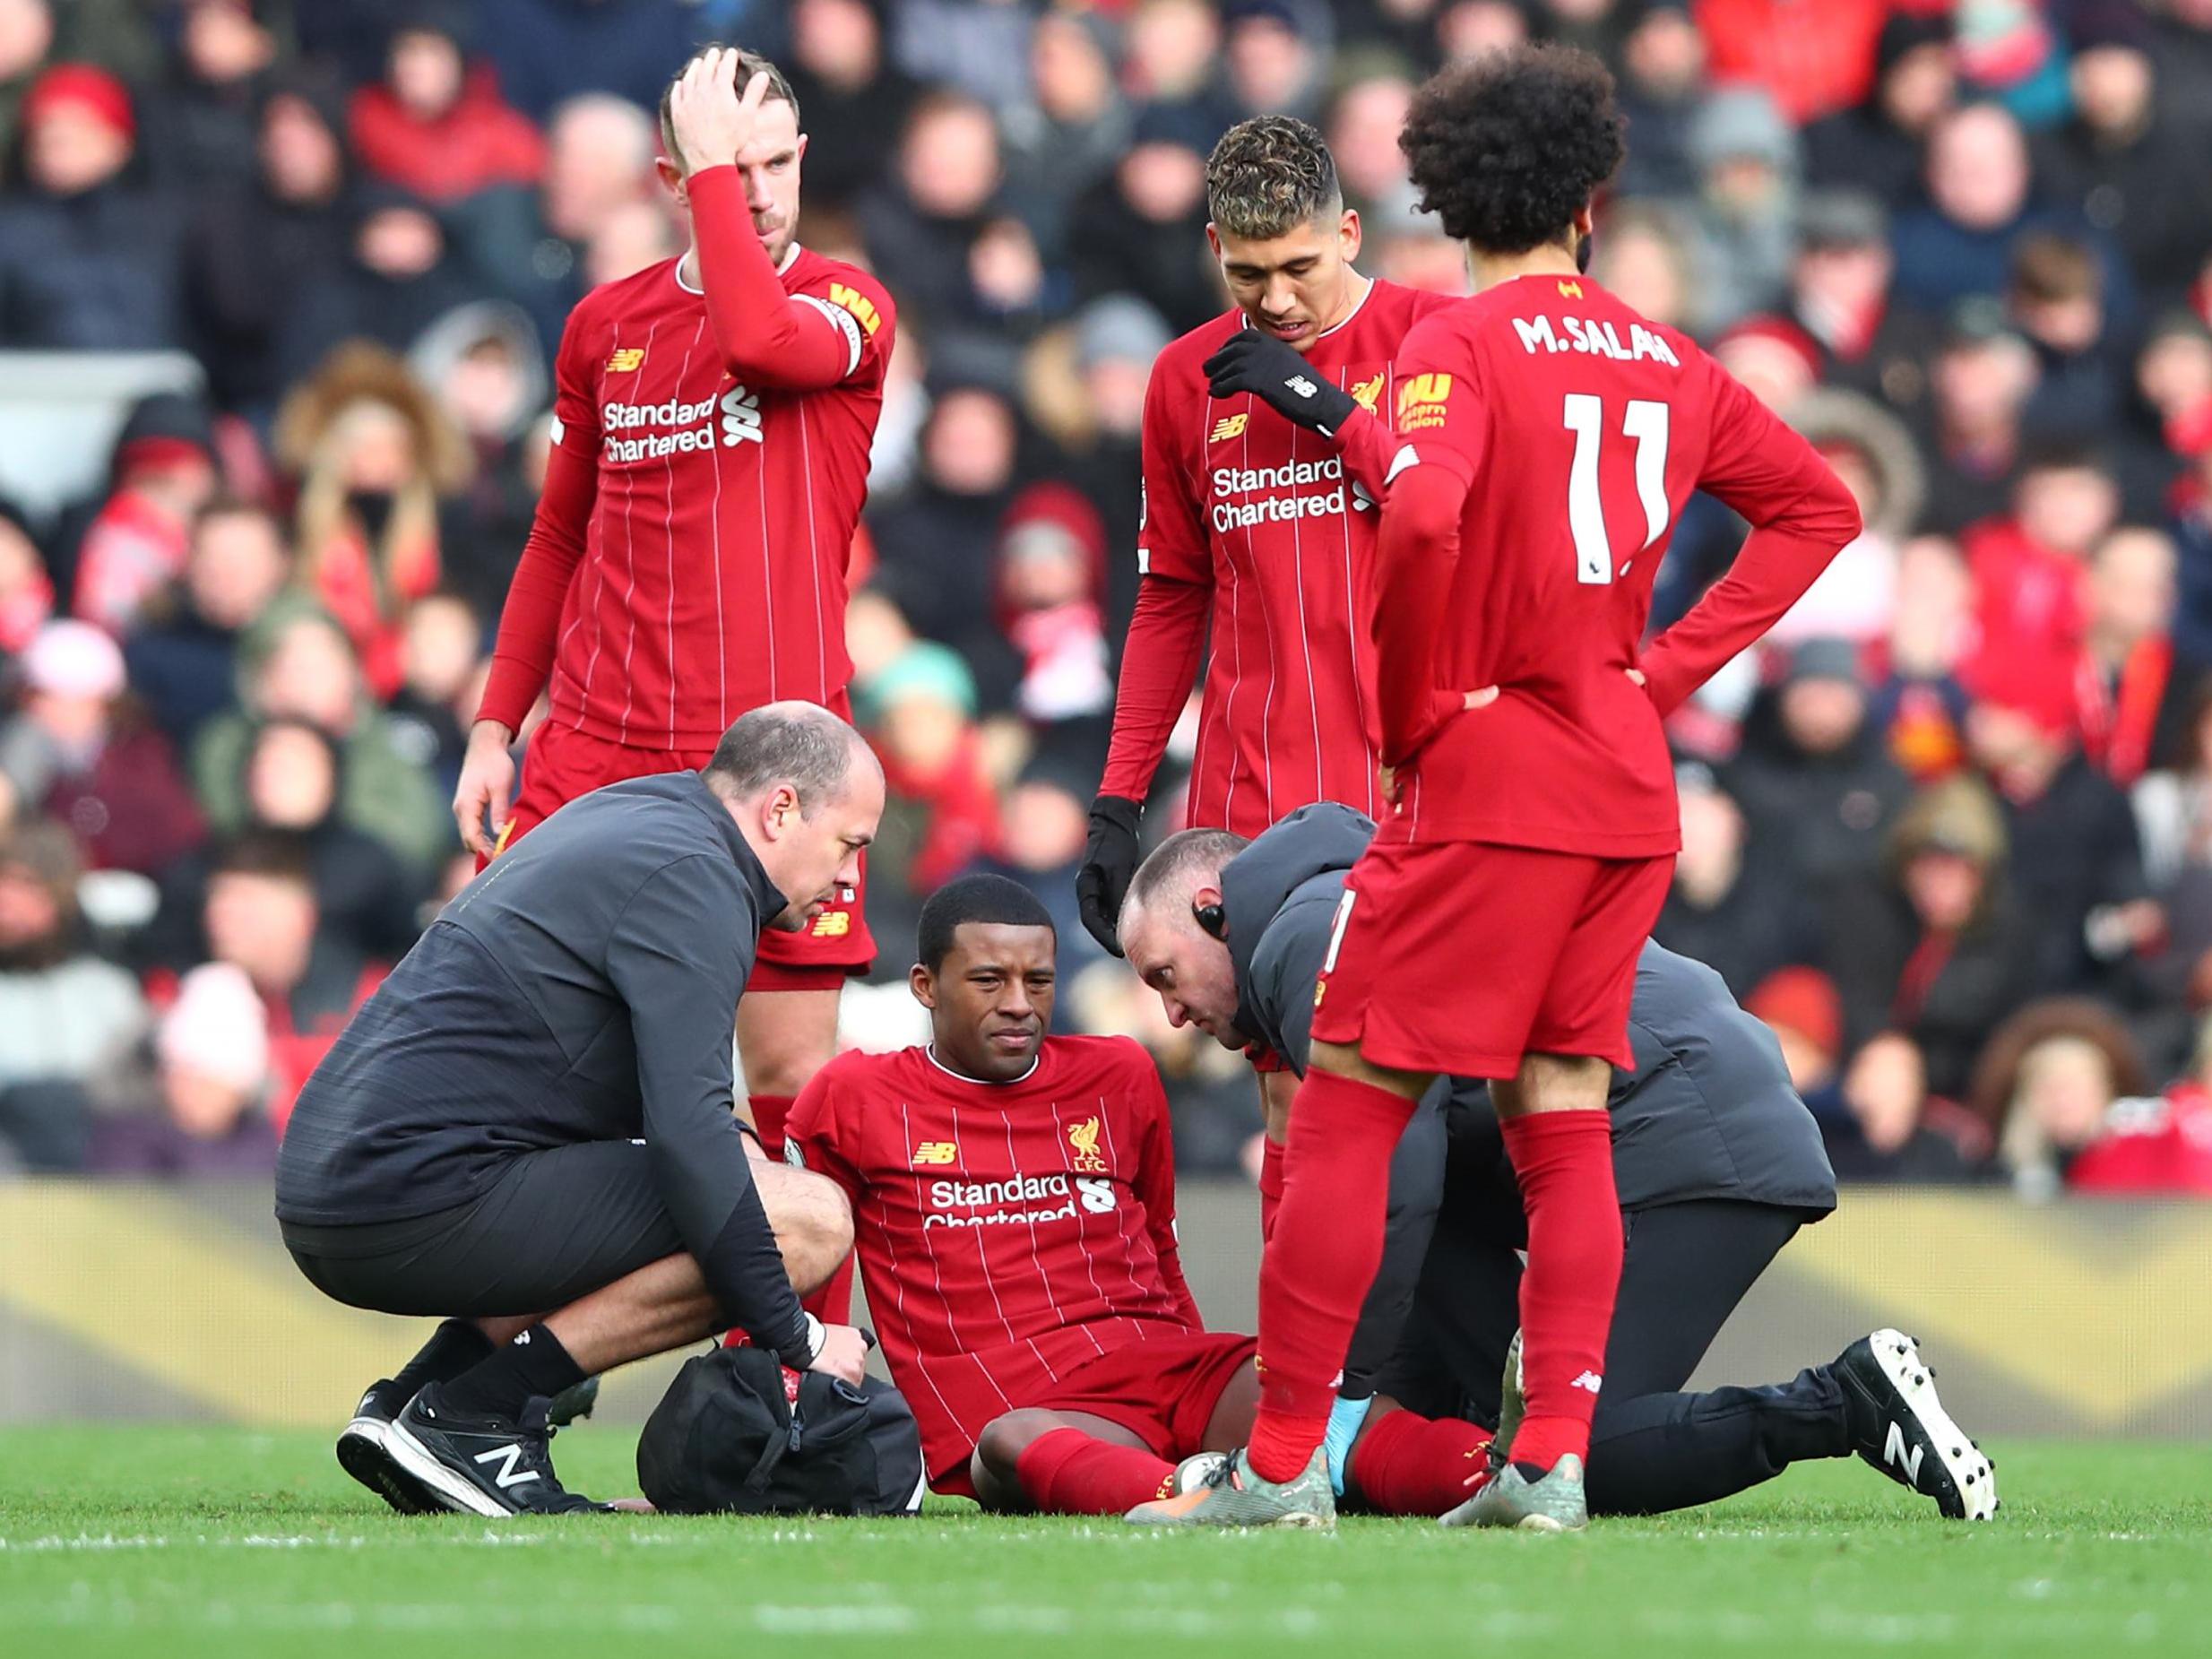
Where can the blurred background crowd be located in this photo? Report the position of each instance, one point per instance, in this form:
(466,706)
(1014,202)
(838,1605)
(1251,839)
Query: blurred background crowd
(1949,832)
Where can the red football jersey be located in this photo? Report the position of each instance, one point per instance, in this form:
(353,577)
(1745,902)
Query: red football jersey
(1275,526)
(1007,1232)
(707,570)
(1567,432)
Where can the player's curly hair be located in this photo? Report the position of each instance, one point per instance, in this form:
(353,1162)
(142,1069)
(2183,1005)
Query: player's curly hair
(1269,176)
(1506,147)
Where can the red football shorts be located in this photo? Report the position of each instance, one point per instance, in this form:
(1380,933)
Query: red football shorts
(1164,1391)
(563,763)
(1462,956)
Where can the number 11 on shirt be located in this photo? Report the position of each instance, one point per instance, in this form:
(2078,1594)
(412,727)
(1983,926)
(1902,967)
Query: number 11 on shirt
(1646,421)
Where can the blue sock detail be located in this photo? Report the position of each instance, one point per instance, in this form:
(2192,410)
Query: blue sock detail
(1344,1420)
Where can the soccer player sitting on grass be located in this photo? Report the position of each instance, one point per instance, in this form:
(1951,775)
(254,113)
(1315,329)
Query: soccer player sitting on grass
(1013,1212)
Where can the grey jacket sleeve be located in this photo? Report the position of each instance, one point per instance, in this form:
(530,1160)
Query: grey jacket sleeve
(679,956)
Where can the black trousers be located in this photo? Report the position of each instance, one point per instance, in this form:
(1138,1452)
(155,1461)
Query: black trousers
(1651,1447)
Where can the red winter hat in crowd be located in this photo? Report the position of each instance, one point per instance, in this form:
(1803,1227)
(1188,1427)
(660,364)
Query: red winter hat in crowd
(1805,1001)
(94,90)
(2037,683)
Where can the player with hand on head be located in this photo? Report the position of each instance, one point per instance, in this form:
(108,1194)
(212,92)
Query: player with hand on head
(1718,1162)
(1548,438)
(712,416)
(1263,461)
(1014,1212)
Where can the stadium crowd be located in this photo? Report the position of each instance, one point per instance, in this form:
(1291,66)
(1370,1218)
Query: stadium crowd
(1949,832)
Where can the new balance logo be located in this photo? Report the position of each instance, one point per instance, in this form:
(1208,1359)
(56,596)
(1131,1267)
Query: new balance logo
(1301,385)
(507,1474)
(1225,429)
(1590,1380)
(1894,1452)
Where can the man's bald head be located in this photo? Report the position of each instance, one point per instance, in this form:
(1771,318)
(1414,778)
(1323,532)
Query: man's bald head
(1189,969)
(801,744)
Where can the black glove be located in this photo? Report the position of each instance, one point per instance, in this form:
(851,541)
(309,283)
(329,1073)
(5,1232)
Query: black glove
(1110,862)
(1255,361)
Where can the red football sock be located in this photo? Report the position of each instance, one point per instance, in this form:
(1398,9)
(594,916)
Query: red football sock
(1319,1267)
(1066,1472)
(1407,1463)
(1270,1187)
(769,1111)
(1565,1163)
(833,1303)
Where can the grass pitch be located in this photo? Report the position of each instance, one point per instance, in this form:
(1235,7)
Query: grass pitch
(183,1542)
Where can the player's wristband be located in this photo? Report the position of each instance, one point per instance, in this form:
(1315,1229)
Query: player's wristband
(814,1339)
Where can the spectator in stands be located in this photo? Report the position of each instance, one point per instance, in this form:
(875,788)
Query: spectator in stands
(262,917)
(1872,452)
(1731,906)
(2030,567)
(1815,776)
(853,102)
(2153,1147)
(1840,295)
(2076,866)
(260,239)
(162,473)
(1662,71)
(1928,957)
(1174,59)
(64,1014)
(1893,1129)
(1920,703)
(2172,414)
(1877,147)
(88,258)
(934,543)
(1271,58)
(1040,649)
(76,753)
(297,663)
(1641,257)
(919,708)
(549,50)
(26,590)
(1142,230)
(400,276)
(1747,161)
(1363,126)
(1981,198)
(1116,339)
(482,366)
(1799,1006)
(197,1109)
(200,123)
(1981,382)
(2048,1085)
(26,37)
(438,696)
(435,124)
(2132,702)
(183,656)
(1043,825)
(293,783)
(2056,296)
(2124,162)
(925,225)
(1813,62)
(600,152)
(373,454)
